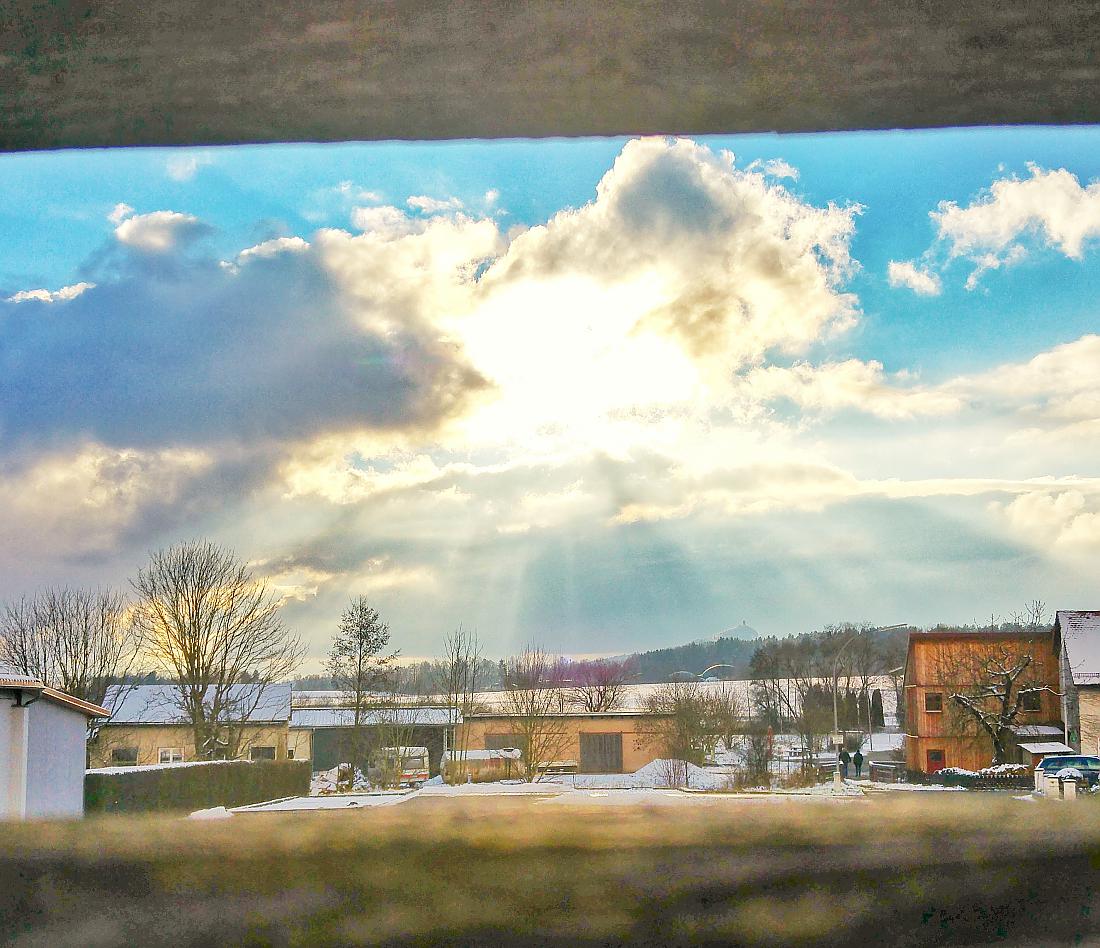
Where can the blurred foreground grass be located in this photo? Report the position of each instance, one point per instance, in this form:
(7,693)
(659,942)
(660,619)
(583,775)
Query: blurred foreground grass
(938,869)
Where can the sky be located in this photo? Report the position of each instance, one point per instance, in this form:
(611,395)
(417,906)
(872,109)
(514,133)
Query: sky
(597,395)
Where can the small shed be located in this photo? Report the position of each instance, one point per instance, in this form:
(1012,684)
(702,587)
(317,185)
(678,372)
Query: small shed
(43,748)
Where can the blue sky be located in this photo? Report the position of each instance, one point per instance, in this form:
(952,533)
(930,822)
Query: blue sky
(830,377)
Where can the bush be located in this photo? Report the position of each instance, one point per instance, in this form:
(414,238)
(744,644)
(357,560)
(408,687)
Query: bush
(195,786)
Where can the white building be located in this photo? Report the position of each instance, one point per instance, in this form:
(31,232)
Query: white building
(43,747)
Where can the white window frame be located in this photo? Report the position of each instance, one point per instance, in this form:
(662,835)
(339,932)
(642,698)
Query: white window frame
(174,755)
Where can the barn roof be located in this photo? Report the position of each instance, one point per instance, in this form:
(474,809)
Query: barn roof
(159,704)
(371,717)
(1080,631)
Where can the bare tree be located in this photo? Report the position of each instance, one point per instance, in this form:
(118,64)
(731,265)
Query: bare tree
(533,688)
(358,664)
(209,624)
(596,686)
(80,641)
(393,726)
(689,721)
(459,681)
(991,683)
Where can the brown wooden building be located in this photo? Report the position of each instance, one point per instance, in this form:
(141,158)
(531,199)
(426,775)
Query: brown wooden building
(940,663)
(586,742)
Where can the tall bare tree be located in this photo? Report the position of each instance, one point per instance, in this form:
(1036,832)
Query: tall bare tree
(209,625)
(80,641)
(459,680)
(532,697)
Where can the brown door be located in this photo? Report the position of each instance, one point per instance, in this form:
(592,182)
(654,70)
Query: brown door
(935,761)
(601,753)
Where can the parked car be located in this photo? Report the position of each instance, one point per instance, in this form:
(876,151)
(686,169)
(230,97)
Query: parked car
(1088,766)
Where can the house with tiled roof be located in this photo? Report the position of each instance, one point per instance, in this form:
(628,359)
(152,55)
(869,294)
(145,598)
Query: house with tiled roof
(42,748)
(149,726)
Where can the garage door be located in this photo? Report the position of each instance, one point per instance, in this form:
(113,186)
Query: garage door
(601,753)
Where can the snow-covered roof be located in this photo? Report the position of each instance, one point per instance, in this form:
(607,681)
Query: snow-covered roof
(159,704)
(1080,631)
(1047,747)
(371,717)
(1037,730)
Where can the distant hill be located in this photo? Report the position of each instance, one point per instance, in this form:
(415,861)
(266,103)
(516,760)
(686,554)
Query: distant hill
(660,664)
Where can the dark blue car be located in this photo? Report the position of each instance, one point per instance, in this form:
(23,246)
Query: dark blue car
(1089,766)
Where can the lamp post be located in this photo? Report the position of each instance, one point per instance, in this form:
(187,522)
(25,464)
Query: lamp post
(837,746)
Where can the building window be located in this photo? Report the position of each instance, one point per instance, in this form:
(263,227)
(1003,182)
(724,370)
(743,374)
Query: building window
(1031,701)
(496,742)
(170,755)
(290,753)
(124,756)
(933,701)
(262,753)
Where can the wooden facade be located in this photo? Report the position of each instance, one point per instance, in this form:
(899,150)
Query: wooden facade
(607,742)
(938,733)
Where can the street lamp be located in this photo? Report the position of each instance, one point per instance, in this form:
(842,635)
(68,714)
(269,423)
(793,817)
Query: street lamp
(837,783)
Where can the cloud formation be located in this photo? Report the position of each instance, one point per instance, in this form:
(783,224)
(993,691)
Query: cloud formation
(920,280)
(50,296)
(159,231)
(728,263)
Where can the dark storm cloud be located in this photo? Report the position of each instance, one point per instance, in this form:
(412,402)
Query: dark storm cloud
(193,353)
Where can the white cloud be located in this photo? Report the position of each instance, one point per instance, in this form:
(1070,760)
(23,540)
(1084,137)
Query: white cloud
(185,167)
(1049,207)
(158,231)
(853,384)
(491,197)
(271,248)
(920,280)
(120,212)
(51,296)
(352,192)
(387,220)
(778,168)
(83,500)
(430,205)
(1056,387)
(1067,522)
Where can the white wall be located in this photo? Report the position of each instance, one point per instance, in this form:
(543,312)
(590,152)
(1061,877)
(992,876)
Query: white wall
(8,769)
(55,768)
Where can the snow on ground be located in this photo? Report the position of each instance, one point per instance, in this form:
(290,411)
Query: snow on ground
(497,789)
(658,774)
(336,801)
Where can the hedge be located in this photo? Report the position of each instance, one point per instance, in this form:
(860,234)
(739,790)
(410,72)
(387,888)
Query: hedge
(194,786)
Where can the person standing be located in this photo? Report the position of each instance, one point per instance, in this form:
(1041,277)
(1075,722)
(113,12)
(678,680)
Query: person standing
(857,759)
(845,757)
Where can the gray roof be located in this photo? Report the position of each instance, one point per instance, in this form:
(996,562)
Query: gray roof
(1081,636)
(159,704)
(1037,730)
(371,717)
(1047,747)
